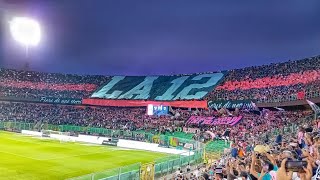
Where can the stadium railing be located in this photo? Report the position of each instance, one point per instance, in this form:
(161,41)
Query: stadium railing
(169,164)
(125,172)
(16,126)
(162,167)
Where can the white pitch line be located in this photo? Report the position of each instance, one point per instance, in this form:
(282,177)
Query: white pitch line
(78,155)
(54,158)
(20,155)
(33,142)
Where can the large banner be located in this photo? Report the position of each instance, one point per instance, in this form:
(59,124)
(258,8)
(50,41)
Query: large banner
(160,88)
(55,100)
(203,120)
(43,99)
(241,104)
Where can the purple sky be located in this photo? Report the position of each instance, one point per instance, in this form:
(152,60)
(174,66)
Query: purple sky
(126,37)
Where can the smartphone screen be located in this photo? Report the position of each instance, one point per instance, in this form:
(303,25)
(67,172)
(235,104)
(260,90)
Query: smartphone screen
(218,170)
(296,166)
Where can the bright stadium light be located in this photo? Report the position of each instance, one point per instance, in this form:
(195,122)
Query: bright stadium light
(25,31)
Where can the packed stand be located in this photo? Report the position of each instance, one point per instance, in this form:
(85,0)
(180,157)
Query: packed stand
(29,84)
(261,148)
(104,117)
(287,81)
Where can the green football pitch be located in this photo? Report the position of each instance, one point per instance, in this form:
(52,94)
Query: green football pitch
(25,157)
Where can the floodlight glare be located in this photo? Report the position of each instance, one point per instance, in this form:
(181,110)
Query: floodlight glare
(25,31)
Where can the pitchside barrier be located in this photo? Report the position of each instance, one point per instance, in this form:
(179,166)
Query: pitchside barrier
(162,140)
(159,168)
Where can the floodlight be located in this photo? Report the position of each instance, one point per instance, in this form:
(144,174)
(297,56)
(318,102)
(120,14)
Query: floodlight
(25,31)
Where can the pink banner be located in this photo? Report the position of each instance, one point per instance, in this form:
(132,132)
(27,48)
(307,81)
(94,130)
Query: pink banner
(198,119)
(214,121)
(227,120)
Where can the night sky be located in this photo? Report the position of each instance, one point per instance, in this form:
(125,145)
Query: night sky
(145,37)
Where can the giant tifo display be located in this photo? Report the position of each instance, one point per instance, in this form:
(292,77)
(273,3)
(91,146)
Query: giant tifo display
(146,127)
(290,81)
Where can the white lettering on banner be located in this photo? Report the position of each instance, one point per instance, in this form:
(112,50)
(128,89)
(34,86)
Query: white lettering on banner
(241,104)
(103,92)
(47,100)
(73,101)
(160,108)
(176,83)
(184,94)
(60,100)
(142,90)
(179,88)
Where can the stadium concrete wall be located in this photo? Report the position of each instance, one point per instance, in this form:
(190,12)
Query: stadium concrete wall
(121,143)
(150,147)
(92,139)
(32,133)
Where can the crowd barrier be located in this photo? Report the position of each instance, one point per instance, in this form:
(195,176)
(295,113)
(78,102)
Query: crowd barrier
(163,140)
(131,172)
(160,168)
(121,143)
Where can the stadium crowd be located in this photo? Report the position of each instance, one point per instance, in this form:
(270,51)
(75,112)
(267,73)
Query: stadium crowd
(105,117)
(279,82)
(30,84)
(261,148)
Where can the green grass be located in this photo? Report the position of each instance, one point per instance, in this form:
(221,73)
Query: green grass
(23,157)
